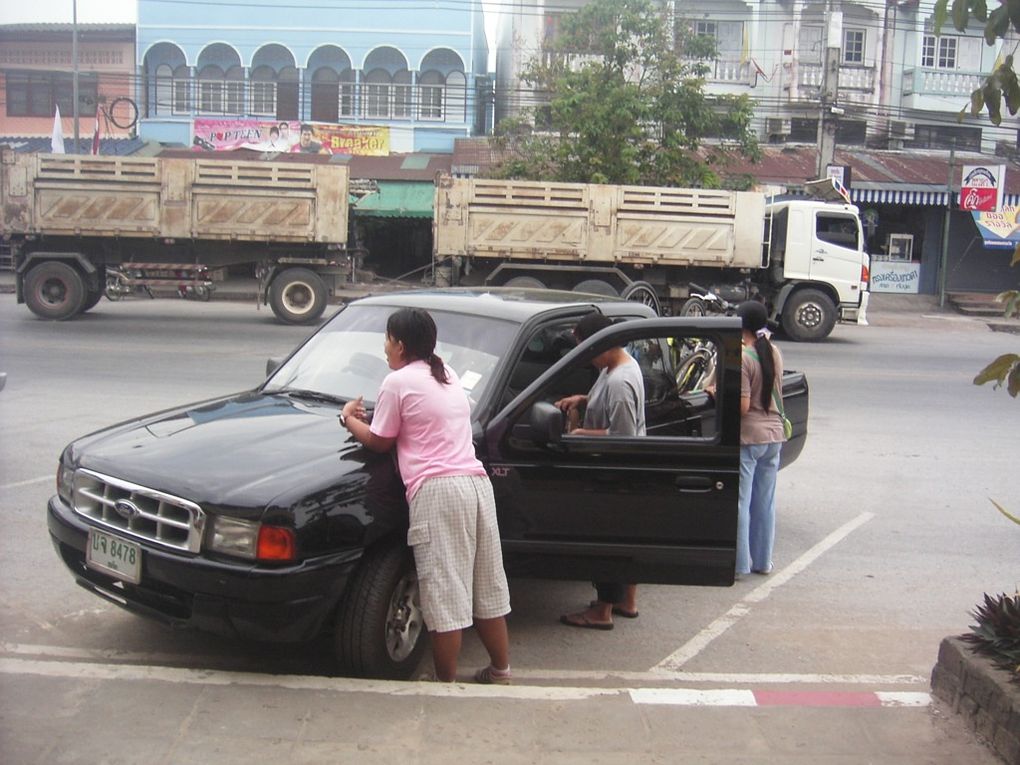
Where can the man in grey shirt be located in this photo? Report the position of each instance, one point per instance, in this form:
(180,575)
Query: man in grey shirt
(615,406)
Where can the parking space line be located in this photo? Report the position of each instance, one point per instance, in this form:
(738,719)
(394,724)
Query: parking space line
(739,610)
(30,481)
(722,697)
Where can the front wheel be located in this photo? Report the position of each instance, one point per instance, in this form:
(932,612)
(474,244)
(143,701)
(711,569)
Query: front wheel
(54,290)
(694,307)
(379,628)
(297,296)
(808,315)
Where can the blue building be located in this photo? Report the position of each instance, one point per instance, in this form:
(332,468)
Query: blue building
(414,71)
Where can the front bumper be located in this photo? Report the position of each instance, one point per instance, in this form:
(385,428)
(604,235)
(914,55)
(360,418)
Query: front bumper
(279,604)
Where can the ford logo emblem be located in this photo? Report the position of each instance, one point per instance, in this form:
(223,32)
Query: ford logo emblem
(126,509)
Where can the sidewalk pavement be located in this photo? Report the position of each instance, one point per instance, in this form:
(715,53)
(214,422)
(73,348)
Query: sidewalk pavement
(885,309)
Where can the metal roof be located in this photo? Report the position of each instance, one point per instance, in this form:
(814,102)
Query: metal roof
(119,147)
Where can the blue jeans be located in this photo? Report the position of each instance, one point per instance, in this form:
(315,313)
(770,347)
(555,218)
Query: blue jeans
(756,514)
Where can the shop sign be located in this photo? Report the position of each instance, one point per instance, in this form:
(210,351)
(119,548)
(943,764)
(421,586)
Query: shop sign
(890,276)
(981,187)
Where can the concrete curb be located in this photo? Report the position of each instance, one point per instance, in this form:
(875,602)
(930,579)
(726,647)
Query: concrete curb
(982,694)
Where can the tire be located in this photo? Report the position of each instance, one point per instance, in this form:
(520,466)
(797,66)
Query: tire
(694,308)
(380,630)
(808,315)
(54,290)
(92,297)
(528,282)
(692,372)
(297,296)
(596,287)
(644,293)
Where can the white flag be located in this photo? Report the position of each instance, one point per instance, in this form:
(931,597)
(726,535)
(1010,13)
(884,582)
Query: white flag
(57,141)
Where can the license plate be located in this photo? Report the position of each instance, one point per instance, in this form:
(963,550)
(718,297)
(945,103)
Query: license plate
(114,556)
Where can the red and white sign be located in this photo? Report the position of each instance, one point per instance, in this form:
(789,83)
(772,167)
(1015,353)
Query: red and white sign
(981,189)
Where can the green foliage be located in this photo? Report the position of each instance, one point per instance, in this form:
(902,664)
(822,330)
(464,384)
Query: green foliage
(1005,370)
(997,632)
(624,86)
(1001,85)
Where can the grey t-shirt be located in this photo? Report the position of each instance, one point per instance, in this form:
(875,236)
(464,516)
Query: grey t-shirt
(616,401)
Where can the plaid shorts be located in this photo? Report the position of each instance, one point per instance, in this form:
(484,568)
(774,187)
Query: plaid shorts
(455,539)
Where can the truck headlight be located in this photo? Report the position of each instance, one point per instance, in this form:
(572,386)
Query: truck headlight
(254,541)
(232,536)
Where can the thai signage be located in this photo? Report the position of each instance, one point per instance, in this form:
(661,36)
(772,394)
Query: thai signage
(290,136)
(893,276)
(981,189)
(999,229)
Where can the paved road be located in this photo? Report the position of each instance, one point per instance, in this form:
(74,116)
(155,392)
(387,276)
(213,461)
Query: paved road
(886,540)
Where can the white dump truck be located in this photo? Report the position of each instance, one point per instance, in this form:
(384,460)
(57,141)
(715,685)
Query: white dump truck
(803,257)
(72,221)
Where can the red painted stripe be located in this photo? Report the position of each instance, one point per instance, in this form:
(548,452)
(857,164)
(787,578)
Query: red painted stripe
(816,699)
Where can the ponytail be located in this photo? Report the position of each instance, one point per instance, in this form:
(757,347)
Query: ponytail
(438,369)
(763,347)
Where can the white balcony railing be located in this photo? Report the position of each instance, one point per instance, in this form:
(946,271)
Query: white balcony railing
(940,82)
(850,77)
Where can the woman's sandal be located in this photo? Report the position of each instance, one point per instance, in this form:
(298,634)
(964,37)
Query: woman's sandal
(491,676)
(618,611)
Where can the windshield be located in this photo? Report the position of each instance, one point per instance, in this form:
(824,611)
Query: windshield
(346,360)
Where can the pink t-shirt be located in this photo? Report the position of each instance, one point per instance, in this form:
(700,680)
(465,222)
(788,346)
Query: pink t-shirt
(431,422)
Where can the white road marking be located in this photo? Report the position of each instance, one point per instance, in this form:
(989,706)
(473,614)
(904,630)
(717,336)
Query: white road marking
(29,482)
(724,697)
(699,642)
(717,678)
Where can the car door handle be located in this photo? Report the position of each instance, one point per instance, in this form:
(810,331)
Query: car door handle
(696,484)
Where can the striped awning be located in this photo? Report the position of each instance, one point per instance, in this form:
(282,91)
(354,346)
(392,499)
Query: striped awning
(911,197)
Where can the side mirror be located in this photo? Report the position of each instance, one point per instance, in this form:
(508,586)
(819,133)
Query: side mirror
(546,422)
(272,364)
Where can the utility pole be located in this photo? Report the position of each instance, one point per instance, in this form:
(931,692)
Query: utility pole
(944,258)
(830,111)
(74,76)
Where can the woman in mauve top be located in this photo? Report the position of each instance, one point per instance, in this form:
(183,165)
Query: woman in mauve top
(423,411)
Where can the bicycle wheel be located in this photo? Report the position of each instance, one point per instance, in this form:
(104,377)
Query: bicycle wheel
(123,112)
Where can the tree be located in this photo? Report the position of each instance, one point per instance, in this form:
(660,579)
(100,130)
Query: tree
(1001,85)
(626,103)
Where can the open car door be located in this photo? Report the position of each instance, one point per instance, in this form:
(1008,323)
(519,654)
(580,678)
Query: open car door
(659,508)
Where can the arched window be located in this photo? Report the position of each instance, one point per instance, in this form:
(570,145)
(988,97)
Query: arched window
(403,101)
(182,90)
(347,87)
(456,97)
(233,88)
(210,89)
(263,91)
(431,87)
(163,92)
(377,94)
(288,94)
(325,95)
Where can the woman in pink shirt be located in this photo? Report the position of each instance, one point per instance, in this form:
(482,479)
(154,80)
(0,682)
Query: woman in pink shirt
(423,410)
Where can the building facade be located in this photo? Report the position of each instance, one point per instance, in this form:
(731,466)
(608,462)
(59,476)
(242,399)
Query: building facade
(893,82)
(37,76)
(418,72)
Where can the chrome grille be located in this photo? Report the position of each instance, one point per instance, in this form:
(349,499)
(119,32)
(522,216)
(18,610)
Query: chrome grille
(138,512)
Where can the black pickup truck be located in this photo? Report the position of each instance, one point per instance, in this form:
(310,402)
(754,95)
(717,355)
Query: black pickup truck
(256,515)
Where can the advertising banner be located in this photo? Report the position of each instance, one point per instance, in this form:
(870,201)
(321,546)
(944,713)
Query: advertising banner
(981,188)
(290,136)
(999,229)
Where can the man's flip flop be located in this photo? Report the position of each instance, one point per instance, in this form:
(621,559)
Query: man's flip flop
(581,620)
(617,611)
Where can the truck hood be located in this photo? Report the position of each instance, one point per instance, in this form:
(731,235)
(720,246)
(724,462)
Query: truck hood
(243,452)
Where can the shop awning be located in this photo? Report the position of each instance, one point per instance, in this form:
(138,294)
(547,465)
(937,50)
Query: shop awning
(397,199)
(1000,230)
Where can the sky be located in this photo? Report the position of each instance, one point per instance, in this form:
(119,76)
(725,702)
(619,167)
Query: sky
(89,11)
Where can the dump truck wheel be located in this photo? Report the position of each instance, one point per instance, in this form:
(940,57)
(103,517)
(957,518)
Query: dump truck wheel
(297,296)
(54,290)
(596,287)
(808,315)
